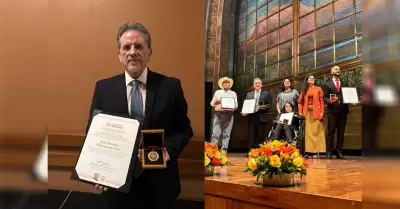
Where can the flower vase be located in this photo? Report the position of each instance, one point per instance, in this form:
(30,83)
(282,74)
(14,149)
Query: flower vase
(276,180)
(209,172)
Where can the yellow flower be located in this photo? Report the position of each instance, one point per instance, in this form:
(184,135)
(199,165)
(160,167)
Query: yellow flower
(276,145)
(252,164)
(294,154)
(218,154)
(223,160)
(275,161)
(206,161)
(298,161)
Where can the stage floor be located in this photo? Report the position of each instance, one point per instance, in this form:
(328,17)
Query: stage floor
(329,184)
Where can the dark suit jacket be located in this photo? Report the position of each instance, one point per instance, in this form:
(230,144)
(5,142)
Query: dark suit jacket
(330,88)
(264,96)
(166,108)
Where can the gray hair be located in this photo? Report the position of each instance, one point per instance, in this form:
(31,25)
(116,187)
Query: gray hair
(133,26)
(257,79)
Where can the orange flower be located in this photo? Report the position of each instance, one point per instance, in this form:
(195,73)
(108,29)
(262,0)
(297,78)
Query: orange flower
(208,145)
(215,161)
(291,148)
(210,153)
(283,149)
(284,155)
(305,164)
(254,152)
(269,153)
(266,151)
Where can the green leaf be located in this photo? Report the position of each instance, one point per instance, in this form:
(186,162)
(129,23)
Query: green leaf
(291,168)
(304,172)
(280,173)
(262,173)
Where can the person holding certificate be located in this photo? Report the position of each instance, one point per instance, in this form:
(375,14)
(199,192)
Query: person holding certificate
(287,128)
(337,112)
(257,121)
(159,100)
(311,106)
(224,102)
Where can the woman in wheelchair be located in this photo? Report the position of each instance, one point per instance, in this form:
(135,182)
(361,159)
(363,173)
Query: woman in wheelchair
(282,127)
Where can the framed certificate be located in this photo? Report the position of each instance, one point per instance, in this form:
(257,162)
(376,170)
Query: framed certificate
(349,95)
(106,155)
(249,106)
(153,152)
(228,103)
(286,118)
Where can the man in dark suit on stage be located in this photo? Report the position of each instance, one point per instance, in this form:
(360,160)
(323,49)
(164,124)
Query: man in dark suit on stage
(158,99)
(257,122)
(337,113)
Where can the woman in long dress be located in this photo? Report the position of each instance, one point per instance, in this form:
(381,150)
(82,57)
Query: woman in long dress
(311,106)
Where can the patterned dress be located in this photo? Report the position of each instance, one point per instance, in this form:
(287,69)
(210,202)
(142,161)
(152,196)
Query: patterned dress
(291,96)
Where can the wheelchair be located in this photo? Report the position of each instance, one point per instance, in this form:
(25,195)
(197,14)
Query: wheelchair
(298,134)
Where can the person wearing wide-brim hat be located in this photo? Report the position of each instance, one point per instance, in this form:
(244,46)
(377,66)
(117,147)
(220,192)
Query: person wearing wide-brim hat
(224,103)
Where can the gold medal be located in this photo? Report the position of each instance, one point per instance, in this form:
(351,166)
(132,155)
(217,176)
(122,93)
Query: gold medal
(153,156)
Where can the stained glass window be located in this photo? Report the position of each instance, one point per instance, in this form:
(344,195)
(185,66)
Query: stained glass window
(264,41)
(328,31)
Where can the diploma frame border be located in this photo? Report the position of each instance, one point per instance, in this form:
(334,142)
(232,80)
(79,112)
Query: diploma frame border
(254,109)
(159,166)
(126,187)
(229,98)
(358,100)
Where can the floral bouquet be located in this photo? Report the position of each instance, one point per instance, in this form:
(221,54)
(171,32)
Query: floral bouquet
(214,157)
(275,158)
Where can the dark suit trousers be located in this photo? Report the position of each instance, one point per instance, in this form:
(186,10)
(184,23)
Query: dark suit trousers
(257,130)
(141,197)
(336,122)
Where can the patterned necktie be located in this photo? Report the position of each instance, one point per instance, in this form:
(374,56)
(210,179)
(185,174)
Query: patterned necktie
(257,98)
(337,85)
(136,100)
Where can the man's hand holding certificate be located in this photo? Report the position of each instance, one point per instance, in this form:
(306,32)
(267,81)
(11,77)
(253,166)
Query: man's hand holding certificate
(248,106)
(228,103)
(350,95)
(107,152)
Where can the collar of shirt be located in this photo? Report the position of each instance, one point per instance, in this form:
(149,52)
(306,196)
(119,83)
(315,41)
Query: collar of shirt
(334,79)
(142,78)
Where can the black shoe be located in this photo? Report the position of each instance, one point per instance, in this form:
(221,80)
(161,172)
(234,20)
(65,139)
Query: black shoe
(340,156)
(328,155)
